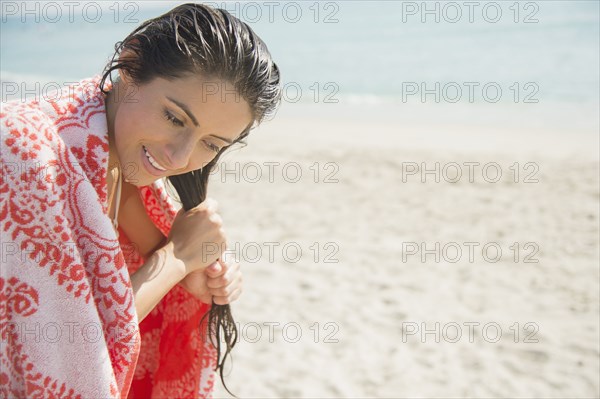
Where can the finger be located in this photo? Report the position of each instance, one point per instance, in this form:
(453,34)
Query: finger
(225,289)
(211,204)
(225,300)
(227,268)
(228,260)
(216,218)
(229,257)
(215,270)
(218,282)
(225,277)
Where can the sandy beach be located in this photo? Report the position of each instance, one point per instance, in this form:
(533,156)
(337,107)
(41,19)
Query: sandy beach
(371,279)
(402,241)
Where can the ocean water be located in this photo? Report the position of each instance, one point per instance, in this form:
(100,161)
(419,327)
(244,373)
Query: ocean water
(358,52)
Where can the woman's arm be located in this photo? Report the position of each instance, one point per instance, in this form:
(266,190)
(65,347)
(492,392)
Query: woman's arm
(168,265)
(161,270)
(151,282)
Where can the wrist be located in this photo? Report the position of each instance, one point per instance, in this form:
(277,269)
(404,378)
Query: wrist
(176,265)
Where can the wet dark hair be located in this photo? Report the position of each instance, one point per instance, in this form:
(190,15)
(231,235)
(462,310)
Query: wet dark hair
(198,39)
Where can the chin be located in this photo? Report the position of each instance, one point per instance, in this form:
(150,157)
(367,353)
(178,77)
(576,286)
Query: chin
(139,182)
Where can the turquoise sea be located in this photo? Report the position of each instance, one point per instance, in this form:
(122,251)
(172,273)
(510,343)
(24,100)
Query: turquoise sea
(359,52)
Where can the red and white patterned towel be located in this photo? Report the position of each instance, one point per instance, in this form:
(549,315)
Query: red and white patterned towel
(68,326)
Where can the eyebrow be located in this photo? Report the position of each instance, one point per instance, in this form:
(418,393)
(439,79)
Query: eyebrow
(187,111)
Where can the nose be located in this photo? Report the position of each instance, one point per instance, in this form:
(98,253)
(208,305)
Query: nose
(179,153)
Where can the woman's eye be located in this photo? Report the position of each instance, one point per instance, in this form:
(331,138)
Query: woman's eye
(212,147)
(172,119)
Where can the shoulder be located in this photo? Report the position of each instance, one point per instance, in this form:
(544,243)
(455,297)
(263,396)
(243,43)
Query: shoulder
(31,179)
(27,133)
(30,128)
(64,131)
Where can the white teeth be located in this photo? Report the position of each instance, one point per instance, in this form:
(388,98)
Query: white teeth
(153,161)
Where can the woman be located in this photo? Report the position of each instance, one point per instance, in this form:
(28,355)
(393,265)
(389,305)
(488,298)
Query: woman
(103,284)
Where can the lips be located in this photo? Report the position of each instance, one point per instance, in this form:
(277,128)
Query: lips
(151,164)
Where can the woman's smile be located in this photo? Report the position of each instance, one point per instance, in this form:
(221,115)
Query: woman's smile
(152,166)
(153,161)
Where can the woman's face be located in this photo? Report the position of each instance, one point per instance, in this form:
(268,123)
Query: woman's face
(166,128)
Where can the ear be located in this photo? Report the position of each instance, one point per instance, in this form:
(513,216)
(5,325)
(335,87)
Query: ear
(126,54)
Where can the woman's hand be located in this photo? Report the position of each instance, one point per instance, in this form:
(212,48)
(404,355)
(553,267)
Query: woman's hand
(221,280)
(197,239)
